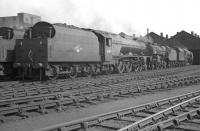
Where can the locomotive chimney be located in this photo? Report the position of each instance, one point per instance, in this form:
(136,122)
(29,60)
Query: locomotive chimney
(147,31)
(133,36)
(161,34)
(166,36)
(192,33)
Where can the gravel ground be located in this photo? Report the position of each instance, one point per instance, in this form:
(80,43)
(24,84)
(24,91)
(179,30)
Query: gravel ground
(78,113)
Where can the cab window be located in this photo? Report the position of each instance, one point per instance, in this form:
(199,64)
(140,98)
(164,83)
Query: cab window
(108,42)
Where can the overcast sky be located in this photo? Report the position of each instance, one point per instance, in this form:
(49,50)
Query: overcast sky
(129,16)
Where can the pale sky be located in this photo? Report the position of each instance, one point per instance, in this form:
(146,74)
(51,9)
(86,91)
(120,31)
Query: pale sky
(129,16)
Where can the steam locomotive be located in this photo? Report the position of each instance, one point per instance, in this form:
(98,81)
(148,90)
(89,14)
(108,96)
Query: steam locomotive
(7,47)
(55,49)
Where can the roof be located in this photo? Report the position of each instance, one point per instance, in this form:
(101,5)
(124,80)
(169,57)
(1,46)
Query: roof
(186,39)
(157,38)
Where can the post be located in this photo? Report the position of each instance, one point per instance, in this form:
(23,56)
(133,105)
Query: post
(40,74)
(30,33)
(9,34)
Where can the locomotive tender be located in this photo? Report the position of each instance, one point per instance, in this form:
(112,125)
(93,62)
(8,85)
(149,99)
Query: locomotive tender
(54,49)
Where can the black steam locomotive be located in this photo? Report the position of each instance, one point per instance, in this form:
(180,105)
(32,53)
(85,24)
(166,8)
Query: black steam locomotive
(55,49)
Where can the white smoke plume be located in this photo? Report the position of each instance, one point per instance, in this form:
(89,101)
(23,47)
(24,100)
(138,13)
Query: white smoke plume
(128,16)
(82,14)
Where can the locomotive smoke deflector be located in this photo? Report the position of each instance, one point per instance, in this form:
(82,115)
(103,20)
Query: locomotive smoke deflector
(6,33)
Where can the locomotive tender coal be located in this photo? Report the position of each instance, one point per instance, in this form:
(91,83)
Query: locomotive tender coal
(56,49)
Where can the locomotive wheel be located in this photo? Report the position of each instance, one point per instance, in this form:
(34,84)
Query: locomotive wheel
(109,69)
(105,69)
(121,67)
(3,75)
(88,71)
(140,68)
(52,73)
(144,67)
(94,69)
(72,72)
(129,67)
(136,68)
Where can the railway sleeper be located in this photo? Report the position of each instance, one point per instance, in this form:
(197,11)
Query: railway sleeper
(3,118)
(186,128)
(90,100)
(59,106)
(113,124)
(42,109)
(194,121)
(22,113)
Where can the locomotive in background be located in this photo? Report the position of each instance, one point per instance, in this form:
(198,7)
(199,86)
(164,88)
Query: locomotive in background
(55,49)
(7,50)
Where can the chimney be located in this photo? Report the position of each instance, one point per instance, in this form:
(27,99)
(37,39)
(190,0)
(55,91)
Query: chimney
(133,36)
(195,34)
(192,32)
(161,34)
(166,36)
(147,31)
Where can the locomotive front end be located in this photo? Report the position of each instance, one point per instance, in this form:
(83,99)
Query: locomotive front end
(31,54)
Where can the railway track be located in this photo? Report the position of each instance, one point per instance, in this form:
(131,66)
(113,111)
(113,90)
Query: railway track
(188,121)
(139,117)
(16,90)
(24,107)
(183,116)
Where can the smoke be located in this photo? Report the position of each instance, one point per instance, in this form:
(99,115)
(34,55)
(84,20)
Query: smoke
(98,22)
(72,12)
(128,28)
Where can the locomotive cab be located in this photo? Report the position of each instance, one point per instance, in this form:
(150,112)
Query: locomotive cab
(105,46)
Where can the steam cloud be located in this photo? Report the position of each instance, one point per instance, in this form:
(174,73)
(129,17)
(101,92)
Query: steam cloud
(66,11)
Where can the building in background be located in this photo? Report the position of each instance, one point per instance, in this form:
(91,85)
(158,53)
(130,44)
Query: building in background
(158,39)
(21,21)
(182,39)
(190,41)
